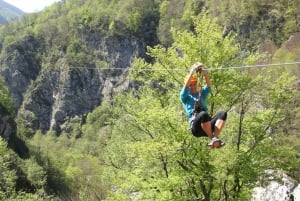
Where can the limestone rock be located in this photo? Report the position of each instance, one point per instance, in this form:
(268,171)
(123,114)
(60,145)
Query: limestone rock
(280,187)
(48,94)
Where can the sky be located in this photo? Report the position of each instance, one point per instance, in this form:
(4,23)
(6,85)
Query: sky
(31,6)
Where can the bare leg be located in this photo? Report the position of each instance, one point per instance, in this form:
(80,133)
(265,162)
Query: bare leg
(206,126)
(218,127)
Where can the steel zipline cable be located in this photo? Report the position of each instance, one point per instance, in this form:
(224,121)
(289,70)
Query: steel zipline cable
(257,66)
(181,69)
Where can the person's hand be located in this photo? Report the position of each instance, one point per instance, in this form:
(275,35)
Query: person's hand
(194,68)
(204,71)
(201,69)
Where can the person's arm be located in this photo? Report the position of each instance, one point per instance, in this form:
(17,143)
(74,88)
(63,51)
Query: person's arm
(194,68)
(207,78)
(187,80)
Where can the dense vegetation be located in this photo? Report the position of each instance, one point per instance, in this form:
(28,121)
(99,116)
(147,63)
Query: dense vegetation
(137,145)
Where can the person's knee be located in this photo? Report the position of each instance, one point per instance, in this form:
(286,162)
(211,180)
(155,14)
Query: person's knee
(223,115)
(204,116)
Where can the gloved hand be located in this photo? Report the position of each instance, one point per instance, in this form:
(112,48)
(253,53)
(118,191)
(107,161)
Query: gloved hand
(204,71)
(194,68)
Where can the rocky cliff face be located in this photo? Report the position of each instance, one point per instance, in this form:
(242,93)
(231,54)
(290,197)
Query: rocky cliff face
(49,94)
(20,66)
(278,187)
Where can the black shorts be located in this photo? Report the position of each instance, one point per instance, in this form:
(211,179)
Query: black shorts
(203,117)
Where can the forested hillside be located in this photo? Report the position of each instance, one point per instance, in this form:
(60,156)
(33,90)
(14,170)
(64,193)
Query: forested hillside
(90,105)
(8,12)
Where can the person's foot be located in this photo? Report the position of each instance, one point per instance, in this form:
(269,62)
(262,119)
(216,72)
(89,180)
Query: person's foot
(216,143)
(222,143)
(213,140)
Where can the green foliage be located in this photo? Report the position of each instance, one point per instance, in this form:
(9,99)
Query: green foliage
(84,174)
(24,130)
(78,54)
(73,163)
(35,173)
(144,146)
(8,40)
(137,146)
(291,125)
(134,20)
(5,100)
(165,162)
(138,17)
(7,175)
(156,158)
(97,123)
(257,21)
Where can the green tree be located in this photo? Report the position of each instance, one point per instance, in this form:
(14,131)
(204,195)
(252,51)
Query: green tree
(7,175)
(35,174)
(6,102)
(151,153)
(138,17)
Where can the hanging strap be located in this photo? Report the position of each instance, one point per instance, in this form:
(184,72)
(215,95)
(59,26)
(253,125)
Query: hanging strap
(199,83)
(198,105)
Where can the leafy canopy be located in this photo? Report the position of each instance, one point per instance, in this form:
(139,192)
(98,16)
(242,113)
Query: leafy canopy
(151,153)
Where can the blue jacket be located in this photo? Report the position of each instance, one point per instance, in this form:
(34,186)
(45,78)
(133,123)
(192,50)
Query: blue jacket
(188,100)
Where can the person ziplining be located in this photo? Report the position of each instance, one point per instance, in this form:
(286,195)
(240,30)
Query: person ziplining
(194,103)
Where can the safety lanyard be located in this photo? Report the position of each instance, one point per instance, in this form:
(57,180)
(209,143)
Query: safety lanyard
(198,105)
(199,85)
